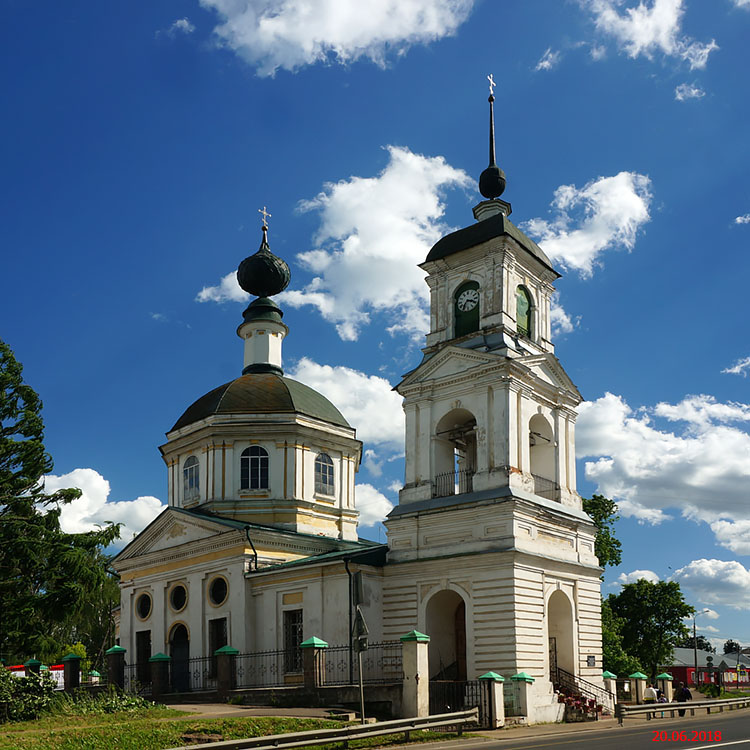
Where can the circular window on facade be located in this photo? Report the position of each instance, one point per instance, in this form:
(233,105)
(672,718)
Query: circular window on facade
(143,606)
(178,597)
(218,590)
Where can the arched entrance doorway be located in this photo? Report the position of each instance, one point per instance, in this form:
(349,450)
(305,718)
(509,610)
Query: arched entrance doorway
(179,650)
(446,626)
(560,630)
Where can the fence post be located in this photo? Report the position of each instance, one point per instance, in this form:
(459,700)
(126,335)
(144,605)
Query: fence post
(610,683)
(313,654)
(116,666)
(225,670)
(71,672)
(522,685)
(494,683)
(159,675)
(637,685)
(32,667)
(664,681)
(415,695)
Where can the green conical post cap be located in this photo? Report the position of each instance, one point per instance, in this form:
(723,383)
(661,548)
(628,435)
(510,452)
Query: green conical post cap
(664,676)
(492,676)
(609,676)
(160,657)
(70,656)
(638,676)
(522,677)
(313,642)
(116,650)
(226,650)
(415,635)
(32,663)
(94,673)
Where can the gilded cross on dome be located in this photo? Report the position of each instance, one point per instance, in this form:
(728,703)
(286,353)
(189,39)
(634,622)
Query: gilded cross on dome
(492,84)
(265,216)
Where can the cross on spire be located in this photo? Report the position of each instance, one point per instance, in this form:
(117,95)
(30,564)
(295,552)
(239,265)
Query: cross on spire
(492,84)
(265,216)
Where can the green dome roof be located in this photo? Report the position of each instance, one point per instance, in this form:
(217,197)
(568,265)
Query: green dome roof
(262,393)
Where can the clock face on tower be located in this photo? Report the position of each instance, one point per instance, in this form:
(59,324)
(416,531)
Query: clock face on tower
(467,300)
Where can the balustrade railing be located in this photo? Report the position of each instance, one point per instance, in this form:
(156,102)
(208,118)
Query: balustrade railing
(546,488)
(453,483)
(263,668)
(381,663)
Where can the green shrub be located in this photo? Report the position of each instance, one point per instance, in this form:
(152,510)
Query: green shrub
(24,698)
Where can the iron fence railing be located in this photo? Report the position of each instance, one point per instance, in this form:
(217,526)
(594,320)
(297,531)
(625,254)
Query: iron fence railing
(261,669)
(137,678)
(193,675)
(381,663)
(451,695)
(546,488)
(453,483)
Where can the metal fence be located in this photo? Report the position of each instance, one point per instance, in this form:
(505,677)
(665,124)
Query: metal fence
(546,488)
(447,696)
(137,678)
(261,669)
(191,675)
(453,483)
(381,663)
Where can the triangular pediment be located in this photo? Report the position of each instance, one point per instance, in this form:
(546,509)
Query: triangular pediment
(547,368)
(448,362)
(172,528)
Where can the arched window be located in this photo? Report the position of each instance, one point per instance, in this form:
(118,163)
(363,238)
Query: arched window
(466,308)
(254,468)
(524,322)
(324,474)
(191,479)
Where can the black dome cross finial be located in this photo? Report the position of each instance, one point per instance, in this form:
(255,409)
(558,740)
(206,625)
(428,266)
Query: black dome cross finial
(492,180)
(263,274)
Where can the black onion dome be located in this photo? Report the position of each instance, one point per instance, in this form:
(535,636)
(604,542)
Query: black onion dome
(263,274)
(262,393)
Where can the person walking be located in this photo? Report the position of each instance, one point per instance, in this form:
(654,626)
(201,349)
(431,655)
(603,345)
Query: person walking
(649,694)
(681,696)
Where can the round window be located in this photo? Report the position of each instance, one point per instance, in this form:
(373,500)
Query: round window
(218,590)
(178,597)
(143,606)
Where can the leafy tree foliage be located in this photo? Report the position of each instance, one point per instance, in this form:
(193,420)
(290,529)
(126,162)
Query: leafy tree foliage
(651,621)
(731,647)
(614,658)
(603,512)
(701,642)
(52,584)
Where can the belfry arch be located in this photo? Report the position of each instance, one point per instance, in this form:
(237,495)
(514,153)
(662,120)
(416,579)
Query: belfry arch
(445,622)
(560,631)
(454,453)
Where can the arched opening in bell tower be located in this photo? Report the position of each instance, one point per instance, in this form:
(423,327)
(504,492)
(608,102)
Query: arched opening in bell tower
(542,457)
(455,452)
(445,622)
(560,632)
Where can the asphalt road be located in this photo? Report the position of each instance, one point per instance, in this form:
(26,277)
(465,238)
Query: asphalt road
(658,734)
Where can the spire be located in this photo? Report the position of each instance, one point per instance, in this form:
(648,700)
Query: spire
(263,274)
(492,180)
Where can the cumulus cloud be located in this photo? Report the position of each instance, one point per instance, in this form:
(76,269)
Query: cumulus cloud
(548,60)
(726,583)
(744,219)
(94,508)
(372,462)
(182,26)
(740,367)
(288,34)
(373,233)
(648,29)
(688,91)
(604,214)
(742,4)
(710,629)
(227,290)
(636,575)
(372,505)
(562,323)
(696,463)
(711,614)
(367,401)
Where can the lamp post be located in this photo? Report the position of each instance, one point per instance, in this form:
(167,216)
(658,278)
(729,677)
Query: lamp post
(695,646)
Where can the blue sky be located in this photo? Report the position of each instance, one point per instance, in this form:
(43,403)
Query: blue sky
(141,138)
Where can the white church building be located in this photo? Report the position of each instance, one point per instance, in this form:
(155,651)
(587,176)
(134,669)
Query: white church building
(488,550)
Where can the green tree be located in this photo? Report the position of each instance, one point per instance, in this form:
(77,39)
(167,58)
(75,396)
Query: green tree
(701,642)
(603,513)
(614,658)
(47,577)
(731,647)
(651,617)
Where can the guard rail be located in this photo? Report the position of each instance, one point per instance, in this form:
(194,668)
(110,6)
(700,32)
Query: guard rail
(650,710)
(458,719)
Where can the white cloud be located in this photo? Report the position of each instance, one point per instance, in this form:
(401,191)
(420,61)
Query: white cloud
(374,231)
(182,26)
(561,322)
(744,219)
(598,52)
(711,614)
(636,575)
(548,60)
(273,34)
(373,506)
(227,290)
(688,91)
(721,582)
(372,463)
(710,629)
(367,401)
(606,213)
(647,29)
(93,507)
(698,466)
(742,3)
(740,367)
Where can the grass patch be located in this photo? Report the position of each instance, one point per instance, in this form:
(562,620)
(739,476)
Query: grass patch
(154,730)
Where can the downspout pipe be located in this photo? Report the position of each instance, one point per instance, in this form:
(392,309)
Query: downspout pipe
(255,551)
(351,623)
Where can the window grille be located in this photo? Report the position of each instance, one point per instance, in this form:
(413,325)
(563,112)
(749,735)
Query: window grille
(292,640)
(324,475)
(254,468)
